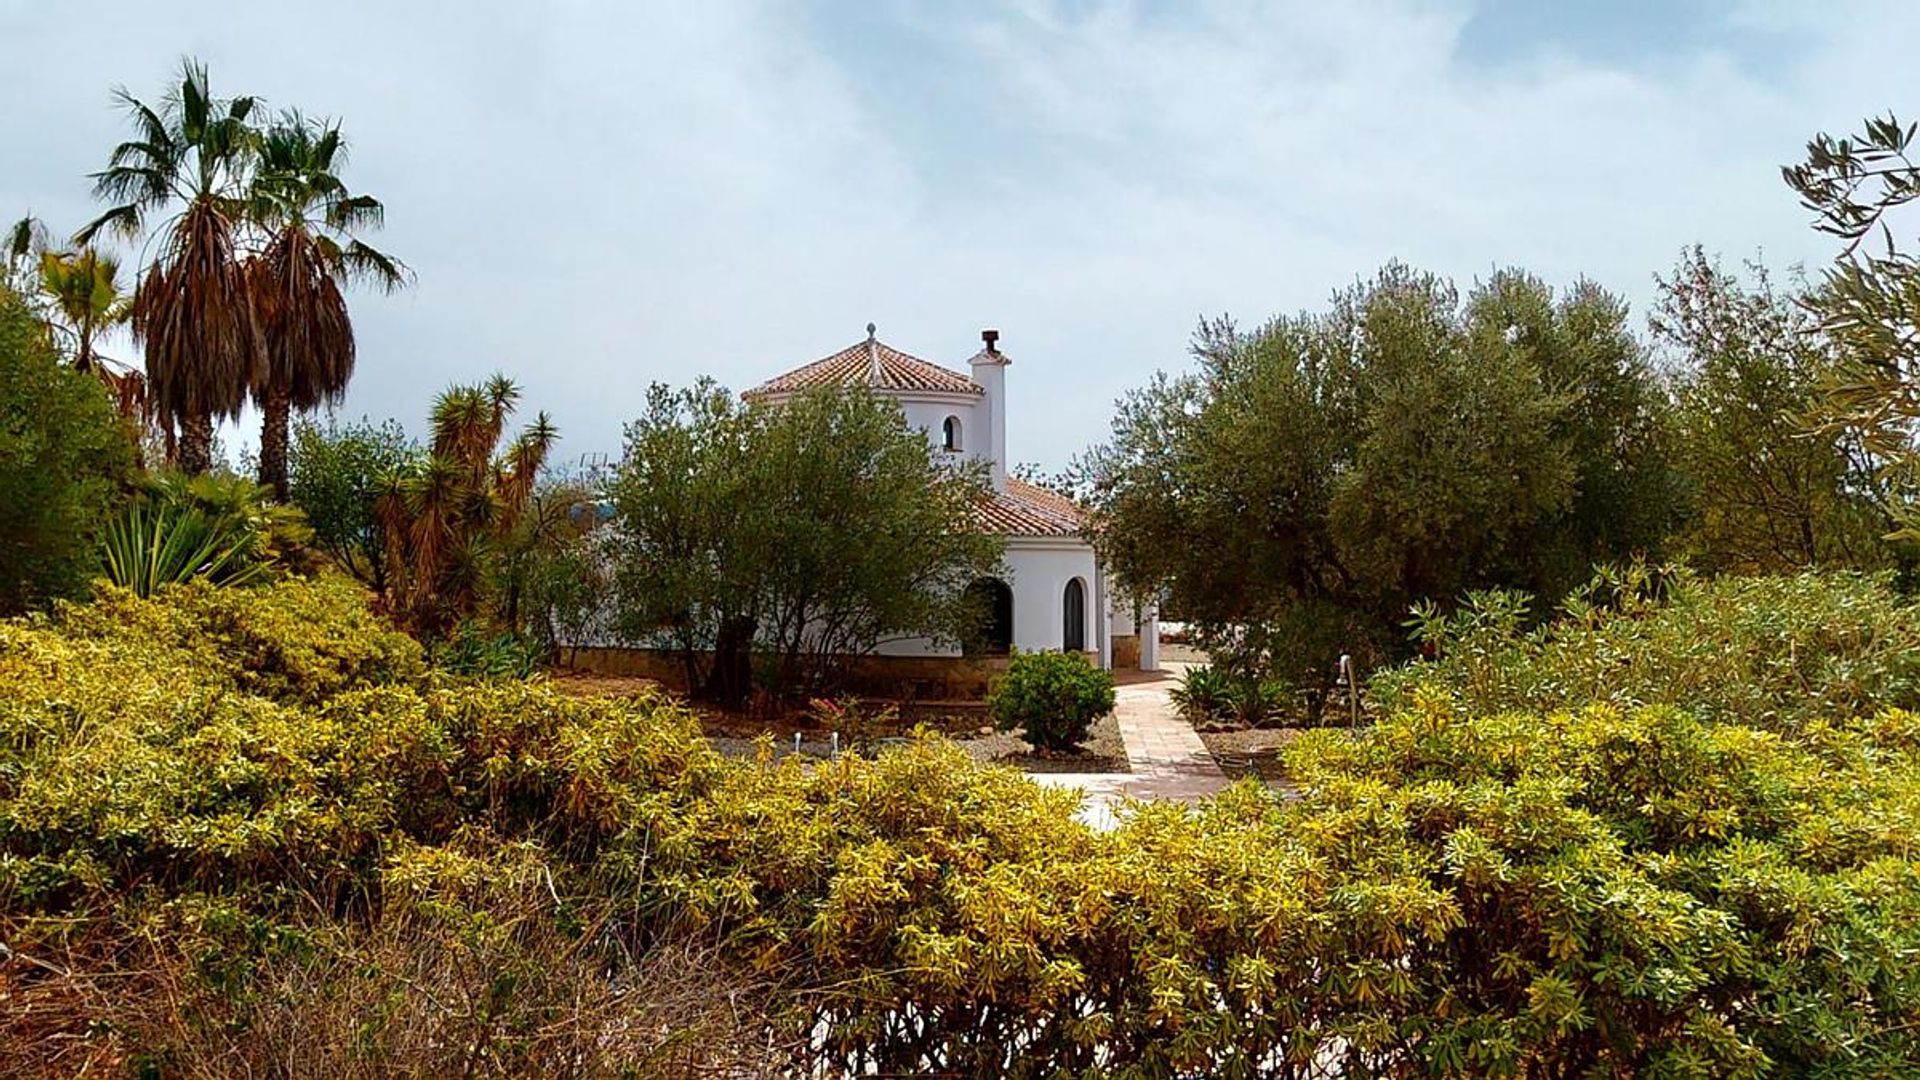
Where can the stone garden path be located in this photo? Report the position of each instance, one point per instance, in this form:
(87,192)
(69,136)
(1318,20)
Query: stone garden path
(1168,760)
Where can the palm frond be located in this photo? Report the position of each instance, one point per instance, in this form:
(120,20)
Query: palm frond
(195,317)
(24,237)
(352,213)
(122,221)
(362,263)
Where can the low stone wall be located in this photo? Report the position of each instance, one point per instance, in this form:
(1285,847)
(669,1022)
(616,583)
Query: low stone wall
(902,678)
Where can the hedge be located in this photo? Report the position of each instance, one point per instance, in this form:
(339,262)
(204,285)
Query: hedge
(1600,890)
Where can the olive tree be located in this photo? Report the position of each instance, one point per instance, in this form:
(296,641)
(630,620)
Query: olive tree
(1868,301)
(806,531)
(1401,444)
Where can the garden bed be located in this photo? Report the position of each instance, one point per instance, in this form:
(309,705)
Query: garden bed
(1101,751)
(1252,752)
(966,722)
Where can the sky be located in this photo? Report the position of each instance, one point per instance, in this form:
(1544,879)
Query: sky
(595,197)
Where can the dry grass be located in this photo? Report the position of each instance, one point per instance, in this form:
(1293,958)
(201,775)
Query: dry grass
(497,993)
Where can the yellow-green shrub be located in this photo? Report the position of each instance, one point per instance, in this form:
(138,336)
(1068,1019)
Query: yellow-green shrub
(1588,891)
(1769,652)
(294,640)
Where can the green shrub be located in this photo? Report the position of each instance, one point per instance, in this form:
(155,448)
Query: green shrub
(336,474)
(476,650)
(63,452)
(1769,652)
(1211,695)
(1054,696)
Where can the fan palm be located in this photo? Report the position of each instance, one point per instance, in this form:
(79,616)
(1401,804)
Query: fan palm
(308,219)
(77,295)
(84,288)
(192,311)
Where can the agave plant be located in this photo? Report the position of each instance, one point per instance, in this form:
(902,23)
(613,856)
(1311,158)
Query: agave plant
(475,650)
(1208,694)
(219,527)
(1204,693)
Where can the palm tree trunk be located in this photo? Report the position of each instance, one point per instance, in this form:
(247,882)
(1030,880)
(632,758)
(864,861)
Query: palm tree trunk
(275,412)
(195,453)
(83,356)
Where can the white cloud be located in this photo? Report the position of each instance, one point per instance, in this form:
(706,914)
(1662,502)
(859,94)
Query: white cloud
(600,196)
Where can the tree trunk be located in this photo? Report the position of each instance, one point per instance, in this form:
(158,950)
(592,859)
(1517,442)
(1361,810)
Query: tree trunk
(194,454)
(275,413)
(732,675)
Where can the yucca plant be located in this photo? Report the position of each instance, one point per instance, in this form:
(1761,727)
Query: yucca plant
(446,516)
(215,526)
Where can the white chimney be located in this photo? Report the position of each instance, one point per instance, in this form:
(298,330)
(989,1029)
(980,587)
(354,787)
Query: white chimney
(990,371)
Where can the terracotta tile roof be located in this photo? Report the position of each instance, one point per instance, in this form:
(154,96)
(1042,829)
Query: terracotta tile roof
(853,366)
(1029,510)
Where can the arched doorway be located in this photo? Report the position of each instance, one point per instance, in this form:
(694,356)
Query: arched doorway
(990,617)
(1074,605)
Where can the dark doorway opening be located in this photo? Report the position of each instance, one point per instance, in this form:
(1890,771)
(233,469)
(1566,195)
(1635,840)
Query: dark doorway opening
(990,605)
(1075,637)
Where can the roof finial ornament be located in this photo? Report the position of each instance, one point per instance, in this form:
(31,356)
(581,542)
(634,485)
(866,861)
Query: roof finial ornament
(873,357)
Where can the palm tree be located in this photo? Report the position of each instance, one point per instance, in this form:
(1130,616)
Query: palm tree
(84,289)
(77,295)
(192,311)
(308,219)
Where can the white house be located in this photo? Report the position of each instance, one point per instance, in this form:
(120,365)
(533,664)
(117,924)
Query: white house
(1055,594)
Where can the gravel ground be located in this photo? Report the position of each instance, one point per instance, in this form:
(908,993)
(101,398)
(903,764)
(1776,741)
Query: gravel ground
(1251,752)
(1101,751)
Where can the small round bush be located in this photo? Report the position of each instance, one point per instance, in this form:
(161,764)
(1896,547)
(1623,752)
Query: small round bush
(1054,696)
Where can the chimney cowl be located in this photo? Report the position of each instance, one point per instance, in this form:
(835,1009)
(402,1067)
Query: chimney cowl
(992,340)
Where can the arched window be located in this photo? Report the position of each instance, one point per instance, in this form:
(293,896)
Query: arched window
(1075,605)
(950,433)
(990,611)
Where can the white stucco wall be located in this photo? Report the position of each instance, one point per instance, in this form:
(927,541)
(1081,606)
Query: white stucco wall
(1037,571)
(930,416)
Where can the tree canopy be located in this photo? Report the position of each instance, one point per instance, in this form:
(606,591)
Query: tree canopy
(63,450)
(1771,485)
(811,530)
(1402,443)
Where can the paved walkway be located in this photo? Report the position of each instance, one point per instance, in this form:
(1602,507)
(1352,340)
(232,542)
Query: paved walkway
(1168,760)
